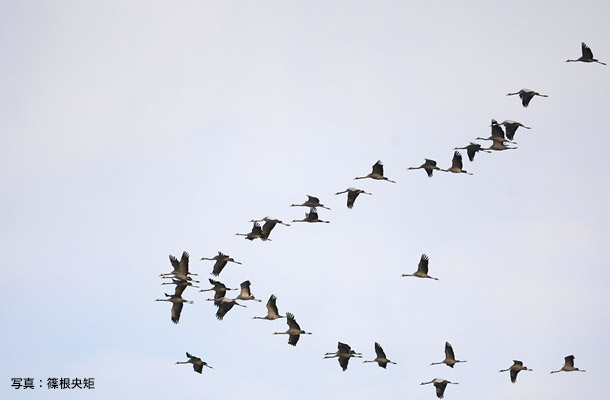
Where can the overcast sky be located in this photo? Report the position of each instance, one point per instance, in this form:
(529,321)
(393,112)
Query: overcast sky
(135,130)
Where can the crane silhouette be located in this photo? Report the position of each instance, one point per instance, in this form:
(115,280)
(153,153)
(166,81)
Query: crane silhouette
(352,193)
(511,128)
(198,364)
(245,293)
(219,288)
(381,358)
(587,55)
(311,216)
(429,166)
(221,261)
(311,202)
(377,173)
(270,223)
(177,302)
(255,233)
(526,95)
(449,357)
(440,385)
(497,133)
(344,353)
(422,269)
(471,150)
(294,330)
(224,305)
(181,268)
(272,312)
(497,137)
(568,365)
(456,164)
(514,370)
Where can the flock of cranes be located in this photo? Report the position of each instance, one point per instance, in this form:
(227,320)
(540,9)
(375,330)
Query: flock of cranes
(182,278)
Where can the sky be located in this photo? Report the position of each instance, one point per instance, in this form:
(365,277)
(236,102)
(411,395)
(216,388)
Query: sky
(132,131)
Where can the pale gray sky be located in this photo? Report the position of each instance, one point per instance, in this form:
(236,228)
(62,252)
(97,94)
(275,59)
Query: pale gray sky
(134,131)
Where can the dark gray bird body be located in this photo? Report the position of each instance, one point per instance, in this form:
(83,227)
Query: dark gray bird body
(219,288)
(198,364)
(270,223)
(221,261)
(440,385)
(429,166)
(177,302)
(224,305)
(456,164)
(422,268)
(526,95)
(311,216)
(294,331)
(514,370)
(377,173)
(497,137)
(311,202)
(471,150)
(245,293)
(255,233)
(352,193)
(511,128)
(587,55)
(344,353)
(449,357)
(381,358)
(272,312)
(568,365)
(181,268)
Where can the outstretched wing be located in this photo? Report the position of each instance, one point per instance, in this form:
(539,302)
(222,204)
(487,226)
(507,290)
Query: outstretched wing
(496,129)
(379,351)
(423,264)
(440,389)
(184,263)
(176,310)
(245,288)
(343,361)
(179,289)
(525,98)
(312,215)
(586,51)
(271,306)
(292,323)
(351,197)
(267,228)
(449,351)
(223,309)
(510,131)
(257,230)
(471,150)
(312,199)
(174,262)
(378,168)
(457,160)
(218,266)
